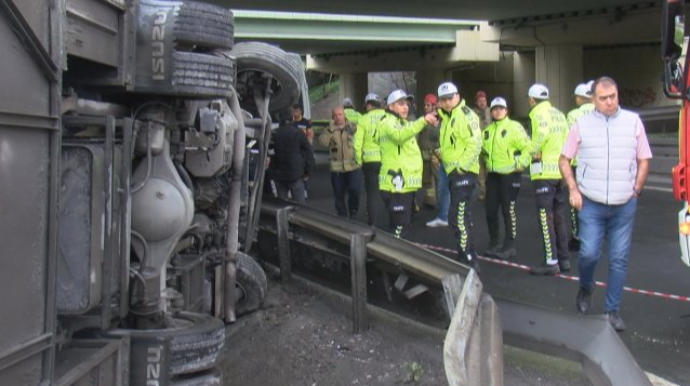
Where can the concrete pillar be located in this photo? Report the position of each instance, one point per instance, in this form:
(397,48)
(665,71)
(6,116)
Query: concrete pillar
(524,76)
(559,67)
(354,86)
(428,82)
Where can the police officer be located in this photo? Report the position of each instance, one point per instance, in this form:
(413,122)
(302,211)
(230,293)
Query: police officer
(401,160)
(351,114)
(460,145)
(583,101)
(506,153)
(368,151)
(549,131)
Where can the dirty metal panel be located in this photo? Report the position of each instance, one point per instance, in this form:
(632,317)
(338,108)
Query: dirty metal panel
(35,89)
(80,242)
(95,362)
(24,195)
(36,13)
(92,31)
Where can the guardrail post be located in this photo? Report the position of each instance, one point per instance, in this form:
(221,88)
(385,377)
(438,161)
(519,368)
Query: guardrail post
(457,341)
(283,227)
(358,263)
(485,352)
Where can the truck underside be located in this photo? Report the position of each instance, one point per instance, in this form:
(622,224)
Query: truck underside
(132,144)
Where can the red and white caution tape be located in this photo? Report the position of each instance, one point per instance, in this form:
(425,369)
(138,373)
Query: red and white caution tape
(562,276)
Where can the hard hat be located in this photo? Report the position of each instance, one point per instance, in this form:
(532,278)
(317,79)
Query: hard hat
(447,89)
(538,91)
(430,99)
(371,97)
(398,95)
(584,90)
(498,101)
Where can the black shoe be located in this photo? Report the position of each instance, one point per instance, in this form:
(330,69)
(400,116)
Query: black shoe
(584,300)
(493,250)
(507,253)
(616,321)
(545,270)
(564,265)
(475,265)
(574,245)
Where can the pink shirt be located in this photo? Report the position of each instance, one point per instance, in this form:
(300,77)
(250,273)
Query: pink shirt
(572,143)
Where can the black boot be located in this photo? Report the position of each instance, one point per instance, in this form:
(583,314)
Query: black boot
(494,249)
(508,251)
(545,270)
(472,262)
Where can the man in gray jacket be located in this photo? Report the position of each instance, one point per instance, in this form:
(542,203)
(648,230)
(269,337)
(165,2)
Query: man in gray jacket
(613,163)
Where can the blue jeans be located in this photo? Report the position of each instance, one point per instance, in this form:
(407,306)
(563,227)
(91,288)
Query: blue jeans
(442,194)
(346,183)
(615,222)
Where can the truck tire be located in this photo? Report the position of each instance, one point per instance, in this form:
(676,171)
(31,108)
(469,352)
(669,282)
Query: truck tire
(204,25)
(262,58)
(212,378)
(193,74)
(251,284)
(197,75)
(194,344)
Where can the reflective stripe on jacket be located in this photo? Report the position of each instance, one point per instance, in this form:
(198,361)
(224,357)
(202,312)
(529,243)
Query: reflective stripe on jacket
(366,144)
(460,139)
(401,159)
(549,131)
(506,147)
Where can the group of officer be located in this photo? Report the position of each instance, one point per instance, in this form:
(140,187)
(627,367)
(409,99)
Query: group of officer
(385,145)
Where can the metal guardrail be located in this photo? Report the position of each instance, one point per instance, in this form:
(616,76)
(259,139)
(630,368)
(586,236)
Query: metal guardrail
(473,348)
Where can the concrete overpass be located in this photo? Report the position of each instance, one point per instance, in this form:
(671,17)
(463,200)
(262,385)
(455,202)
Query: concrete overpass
(558,43)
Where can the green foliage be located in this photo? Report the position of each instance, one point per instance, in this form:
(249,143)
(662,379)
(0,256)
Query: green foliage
(413,372)
(317,93)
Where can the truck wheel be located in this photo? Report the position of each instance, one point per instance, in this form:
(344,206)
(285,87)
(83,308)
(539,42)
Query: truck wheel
(251,284)
(196,74)
(255,59)
(204,25)
(194,343)
(193,74)
(212,378)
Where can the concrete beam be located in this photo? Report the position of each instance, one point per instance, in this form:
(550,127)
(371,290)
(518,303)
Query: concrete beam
(468,48)
(643,26)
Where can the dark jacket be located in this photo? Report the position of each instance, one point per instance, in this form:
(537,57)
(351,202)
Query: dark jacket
(294,157)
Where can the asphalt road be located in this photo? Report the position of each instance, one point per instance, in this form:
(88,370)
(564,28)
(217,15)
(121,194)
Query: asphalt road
(658,333)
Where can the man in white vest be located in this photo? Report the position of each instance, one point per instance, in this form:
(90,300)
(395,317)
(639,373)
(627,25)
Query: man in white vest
(613,162)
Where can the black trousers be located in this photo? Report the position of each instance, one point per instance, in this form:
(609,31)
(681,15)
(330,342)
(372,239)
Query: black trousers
(460,215)
(399,207)
(502,193)
(371,186)
(550,197)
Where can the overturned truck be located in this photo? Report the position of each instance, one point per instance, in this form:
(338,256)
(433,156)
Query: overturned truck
(133,136)
(129,138)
